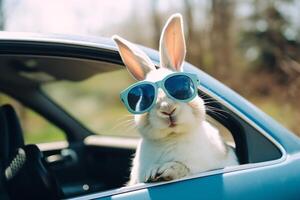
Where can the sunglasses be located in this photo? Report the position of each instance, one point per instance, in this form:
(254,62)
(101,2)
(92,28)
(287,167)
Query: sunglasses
(141,96)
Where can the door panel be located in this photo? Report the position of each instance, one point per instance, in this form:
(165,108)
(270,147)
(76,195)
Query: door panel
(69,166)
(110,165)
(109,159)
(85,168)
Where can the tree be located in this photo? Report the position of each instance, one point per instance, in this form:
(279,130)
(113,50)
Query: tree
(156,23)
(265,34)
(221,35)
(2,19)
(195,48)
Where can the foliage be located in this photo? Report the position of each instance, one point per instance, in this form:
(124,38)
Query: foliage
(265,34)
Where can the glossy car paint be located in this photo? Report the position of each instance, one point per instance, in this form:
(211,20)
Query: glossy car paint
(278,179)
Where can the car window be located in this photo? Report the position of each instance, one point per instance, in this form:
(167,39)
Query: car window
(95,102)
(36,129)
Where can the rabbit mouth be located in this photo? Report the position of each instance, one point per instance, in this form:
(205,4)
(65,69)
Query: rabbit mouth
(172,121)
(172,125)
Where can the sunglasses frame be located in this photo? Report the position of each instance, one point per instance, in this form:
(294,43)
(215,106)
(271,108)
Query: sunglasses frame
(156,85)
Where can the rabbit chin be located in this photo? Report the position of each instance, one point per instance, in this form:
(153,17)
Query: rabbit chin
(151,126)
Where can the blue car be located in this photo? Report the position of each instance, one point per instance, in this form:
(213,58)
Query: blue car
(74,83)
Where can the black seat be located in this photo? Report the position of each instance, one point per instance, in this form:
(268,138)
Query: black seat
(11,136)
(23,169)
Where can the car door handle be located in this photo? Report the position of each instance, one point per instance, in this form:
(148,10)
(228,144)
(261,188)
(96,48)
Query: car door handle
(65,157)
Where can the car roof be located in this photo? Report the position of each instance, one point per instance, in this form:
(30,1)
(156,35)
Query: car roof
(94,47)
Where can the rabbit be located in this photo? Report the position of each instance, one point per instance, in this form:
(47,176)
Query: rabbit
(168,152)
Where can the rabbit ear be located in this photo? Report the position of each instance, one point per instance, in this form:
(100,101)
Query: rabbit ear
(172,44)
(136,61)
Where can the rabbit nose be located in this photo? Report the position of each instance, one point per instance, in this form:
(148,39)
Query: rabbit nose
(168,113)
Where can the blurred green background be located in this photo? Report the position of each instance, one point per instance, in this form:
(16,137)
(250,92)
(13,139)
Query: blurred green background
(252,46)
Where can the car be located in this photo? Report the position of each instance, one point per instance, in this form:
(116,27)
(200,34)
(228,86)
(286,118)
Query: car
(36,69)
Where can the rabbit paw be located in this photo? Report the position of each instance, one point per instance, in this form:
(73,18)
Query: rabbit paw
(167,172)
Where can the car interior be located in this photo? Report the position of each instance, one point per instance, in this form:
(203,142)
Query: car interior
(86,163)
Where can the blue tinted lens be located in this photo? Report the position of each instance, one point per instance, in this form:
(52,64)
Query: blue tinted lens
(180,87)
(141,97)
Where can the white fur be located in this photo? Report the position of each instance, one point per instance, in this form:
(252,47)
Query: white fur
(167,151)
(193,142)
(199,150)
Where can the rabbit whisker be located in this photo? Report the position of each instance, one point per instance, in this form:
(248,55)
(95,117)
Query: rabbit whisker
(123,123)
(215,111)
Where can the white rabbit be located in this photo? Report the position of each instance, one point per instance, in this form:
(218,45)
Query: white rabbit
(168,152)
